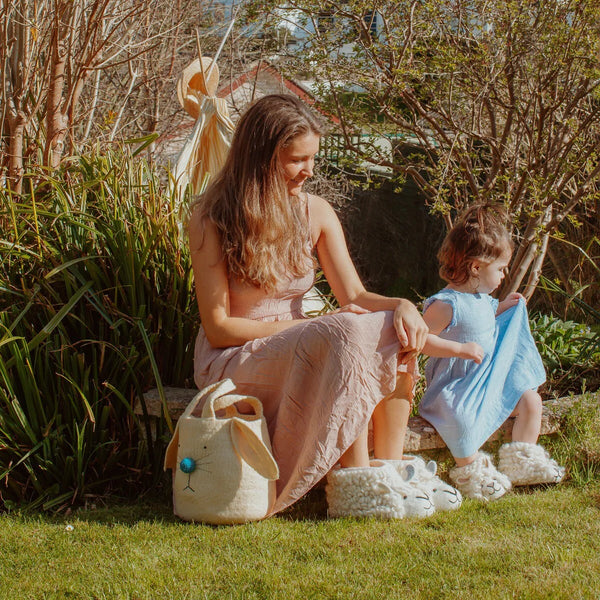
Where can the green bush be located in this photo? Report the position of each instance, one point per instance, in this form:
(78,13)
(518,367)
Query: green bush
(578,442)
(97,305)
(570,351)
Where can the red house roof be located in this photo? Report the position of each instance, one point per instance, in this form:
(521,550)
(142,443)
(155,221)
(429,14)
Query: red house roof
(292,86)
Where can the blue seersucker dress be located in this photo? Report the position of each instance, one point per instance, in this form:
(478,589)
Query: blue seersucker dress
(467,402)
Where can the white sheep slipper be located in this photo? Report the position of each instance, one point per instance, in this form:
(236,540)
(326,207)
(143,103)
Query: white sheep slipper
(480,479)
(528,464)
(374,491)
(443,495)
(417,501)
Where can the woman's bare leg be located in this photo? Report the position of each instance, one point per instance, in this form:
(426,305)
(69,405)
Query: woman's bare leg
(390,419)
(528,418)
(358,454)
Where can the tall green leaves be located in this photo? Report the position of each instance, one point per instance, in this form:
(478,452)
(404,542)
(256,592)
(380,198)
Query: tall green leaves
(96,304)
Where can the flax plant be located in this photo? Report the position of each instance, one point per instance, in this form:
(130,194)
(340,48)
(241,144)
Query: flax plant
(96,306)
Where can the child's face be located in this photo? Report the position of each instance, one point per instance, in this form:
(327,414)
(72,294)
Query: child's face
(487,276)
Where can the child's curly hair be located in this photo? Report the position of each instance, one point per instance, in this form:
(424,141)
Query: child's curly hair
(480,233)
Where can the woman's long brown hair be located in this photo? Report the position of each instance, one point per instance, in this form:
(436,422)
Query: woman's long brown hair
(264,231)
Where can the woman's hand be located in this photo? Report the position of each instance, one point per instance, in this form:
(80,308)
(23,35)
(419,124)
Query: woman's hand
(353,308)
(411,330)
(472,351)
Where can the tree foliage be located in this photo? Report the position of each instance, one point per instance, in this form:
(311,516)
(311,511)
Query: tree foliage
(52,48)
(484,101)
(75,71)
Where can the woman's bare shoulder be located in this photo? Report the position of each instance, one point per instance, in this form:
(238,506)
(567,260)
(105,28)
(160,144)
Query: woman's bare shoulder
(317,203)
(320,210)
(202,230)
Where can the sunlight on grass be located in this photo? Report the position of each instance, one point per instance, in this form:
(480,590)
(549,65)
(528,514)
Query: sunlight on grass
(543,543)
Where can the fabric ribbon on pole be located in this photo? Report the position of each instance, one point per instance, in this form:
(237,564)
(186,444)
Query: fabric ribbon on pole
(205,150)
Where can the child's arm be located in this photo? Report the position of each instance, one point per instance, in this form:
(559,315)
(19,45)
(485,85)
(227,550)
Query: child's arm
(511,300)
(441,348)
(437,317)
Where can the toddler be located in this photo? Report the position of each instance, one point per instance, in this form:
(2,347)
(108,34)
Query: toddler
(486,366)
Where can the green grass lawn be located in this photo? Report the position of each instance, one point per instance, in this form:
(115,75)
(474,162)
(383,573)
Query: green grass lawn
(540,543)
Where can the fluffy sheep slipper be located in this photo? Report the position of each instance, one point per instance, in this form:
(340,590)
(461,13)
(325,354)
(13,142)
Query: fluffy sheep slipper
(375,491)
(480,480)
(528,464)
(422,475)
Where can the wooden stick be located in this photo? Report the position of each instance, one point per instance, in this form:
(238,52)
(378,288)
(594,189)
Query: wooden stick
(214,62)
(200,55)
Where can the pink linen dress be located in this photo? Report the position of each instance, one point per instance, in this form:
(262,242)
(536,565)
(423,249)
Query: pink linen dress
(318,381)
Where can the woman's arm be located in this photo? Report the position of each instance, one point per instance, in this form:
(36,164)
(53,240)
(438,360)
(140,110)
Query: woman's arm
(212,291)
(346,285)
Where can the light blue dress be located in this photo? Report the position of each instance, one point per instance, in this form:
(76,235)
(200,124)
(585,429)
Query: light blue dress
(467,402)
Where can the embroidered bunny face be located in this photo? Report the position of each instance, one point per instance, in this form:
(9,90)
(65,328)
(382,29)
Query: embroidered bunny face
(188,465)
(205,464)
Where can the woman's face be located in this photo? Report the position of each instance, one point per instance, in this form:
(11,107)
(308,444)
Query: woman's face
(298,159)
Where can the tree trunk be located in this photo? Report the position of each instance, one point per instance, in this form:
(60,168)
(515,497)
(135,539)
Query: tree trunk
(519,269)
(536,267)
(92,113)
(56,126)
(15,152)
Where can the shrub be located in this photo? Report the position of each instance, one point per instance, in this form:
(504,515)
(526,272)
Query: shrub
(97,306)
(578,443)
(570,351)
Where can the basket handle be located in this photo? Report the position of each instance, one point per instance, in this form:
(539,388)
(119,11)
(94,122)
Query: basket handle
(218,397)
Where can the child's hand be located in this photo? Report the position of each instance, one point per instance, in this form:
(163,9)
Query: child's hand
(472,351)
(511,300)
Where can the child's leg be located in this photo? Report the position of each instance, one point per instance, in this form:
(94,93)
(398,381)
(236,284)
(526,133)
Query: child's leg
(522,460)
(467,460)
(528,418)
(390,419)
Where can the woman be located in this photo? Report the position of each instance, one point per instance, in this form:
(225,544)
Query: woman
(252,235)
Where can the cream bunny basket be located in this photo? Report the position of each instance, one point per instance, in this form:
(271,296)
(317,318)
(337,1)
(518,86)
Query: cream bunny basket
(224,471)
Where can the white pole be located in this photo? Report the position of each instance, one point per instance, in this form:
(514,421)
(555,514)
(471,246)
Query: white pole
(214,61)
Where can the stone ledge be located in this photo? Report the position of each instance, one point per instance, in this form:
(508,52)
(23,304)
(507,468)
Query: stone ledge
(420,435)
